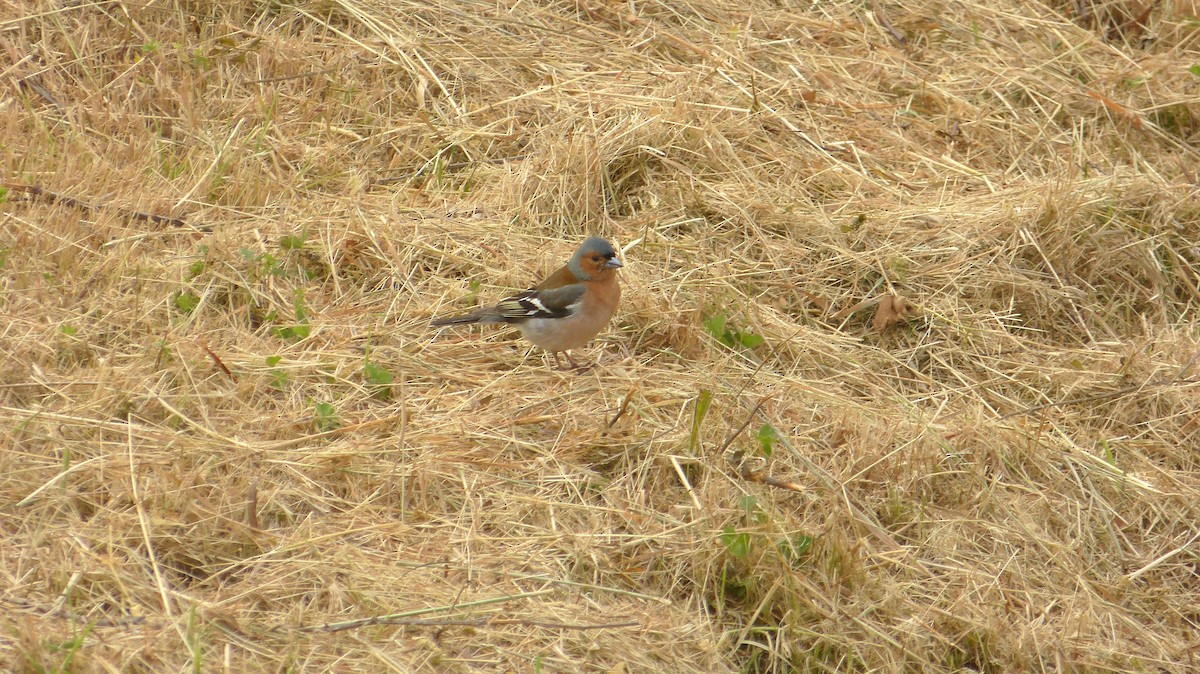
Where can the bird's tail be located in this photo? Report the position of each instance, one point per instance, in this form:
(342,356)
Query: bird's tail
(454,320)
(478,316)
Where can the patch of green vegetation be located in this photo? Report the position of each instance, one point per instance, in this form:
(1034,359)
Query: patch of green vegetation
(199,265)
(279,377)
(1176,119)
(736,544)
(186,301)
(796,548)
(294,241)
(1110,457)
(195,640)
(162,352)
(718,326)
(748,505)
(295,260)
(262,264)
(766,436)
(741,540)
(898,268)
(300,328)
(196,268)
(699,411)
(67,649)
(199,60)
(378,378)
(170,163)
(325,417)
(217,178)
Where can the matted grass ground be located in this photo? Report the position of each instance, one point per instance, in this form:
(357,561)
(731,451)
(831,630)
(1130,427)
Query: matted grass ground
(230,442)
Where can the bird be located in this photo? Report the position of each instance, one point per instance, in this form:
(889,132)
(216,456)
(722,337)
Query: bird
(564,311)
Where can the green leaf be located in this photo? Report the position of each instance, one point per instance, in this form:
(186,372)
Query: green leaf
(380,378)
(376,374)
(796,548)
(767,435)
(70,647)
(296,332)
(294,241)
(749,339)
(1195,69)
(186,301)
(703,401)
(271,265)
(716,326)
(298,305)
(748,504)
(279,379)
(738,544)
(164,351)
(195,268)
(300,329)
(68,330)
(1110,457)
(200,61)
(325,417)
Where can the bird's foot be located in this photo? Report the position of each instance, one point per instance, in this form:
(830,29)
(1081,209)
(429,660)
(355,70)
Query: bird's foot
(573,365)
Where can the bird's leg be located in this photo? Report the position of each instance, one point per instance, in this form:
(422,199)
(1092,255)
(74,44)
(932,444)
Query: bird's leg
(574,365)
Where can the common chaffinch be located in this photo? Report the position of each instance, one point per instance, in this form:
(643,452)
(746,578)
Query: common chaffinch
(566,310)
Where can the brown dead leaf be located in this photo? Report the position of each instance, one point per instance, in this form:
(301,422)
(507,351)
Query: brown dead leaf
(845,313)
(1121,111)
(892,310)
(215,358)
(821,303)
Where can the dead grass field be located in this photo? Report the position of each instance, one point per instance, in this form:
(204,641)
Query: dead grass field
(229,441)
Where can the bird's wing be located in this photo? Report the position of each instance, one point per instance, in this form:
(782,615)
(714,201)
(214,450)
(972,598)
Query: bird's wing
(533,303)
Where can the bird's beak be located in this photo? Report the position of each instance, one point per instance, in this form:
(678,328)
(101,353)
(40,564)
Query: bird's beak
(613,264)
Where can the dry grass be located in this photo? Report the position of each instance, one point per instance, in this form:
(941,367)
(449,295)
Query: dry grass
(203,467)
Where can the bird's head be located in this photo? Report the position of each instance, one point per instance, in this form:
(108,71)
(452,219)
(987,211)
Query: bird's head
(594,260)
